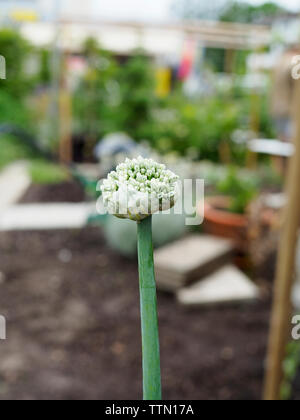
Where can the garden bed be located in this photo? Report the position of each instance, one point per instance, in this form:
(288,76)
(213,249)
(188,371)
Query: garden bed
(74,333)
(64,192)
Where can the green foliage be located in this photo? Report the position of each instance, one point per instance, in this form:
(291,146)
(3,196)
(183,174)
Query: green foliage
(290,369)
(136,80)
(201,126)
(266,121)
(12,149)
(94,100)
(247,13)
(240,64)
(264,177)
(13,111)
(44,75)
(15,50)
(227,11)
(122,98)
(43,172)
(114,98)
(215,58)
(181,125)
(241,190)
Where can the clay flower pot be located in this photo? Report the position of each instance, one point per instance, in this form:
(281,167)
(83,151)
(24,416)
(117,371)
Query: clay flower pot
(220,221)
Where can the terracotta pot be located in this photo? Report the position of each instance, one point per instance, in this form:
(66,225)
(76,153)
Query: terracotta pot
(221,222)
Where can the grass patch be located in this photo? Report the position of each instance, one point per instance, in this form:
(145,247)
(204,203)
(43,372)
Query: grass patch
(43,172)
(12,149)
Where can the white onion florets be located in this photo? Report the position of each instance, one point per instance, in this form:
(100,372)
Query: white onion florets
(139,188)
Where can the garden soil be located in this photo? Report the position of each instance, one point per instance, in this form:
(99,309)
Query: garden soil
(73,328)
(65,192)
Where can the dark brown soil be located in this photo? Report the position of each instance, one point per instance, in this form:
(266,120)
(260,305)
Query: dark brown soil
(65,192)
(74,329)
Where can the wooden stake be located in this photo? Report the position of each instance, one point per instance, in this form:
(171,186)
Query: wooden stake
(65,119)
(251,158)
(65,132)
(282,307)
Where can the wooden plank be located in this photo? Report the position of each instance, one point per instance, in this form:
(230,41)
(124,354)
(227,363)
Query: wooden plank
(282,307)
(233,35)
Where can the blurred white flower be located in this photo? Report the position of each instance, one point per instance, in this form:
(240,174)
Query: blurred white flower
(139,188)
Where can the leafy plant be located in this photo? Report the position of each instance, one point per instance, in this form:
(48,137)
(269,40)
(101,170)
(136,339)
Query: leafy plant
(13,111)
(97,93)
(44,75)
(290,368)
(227,11)
(16,51)
(202,126)
(137,90)
(240,190)
(236,11)
(112,98)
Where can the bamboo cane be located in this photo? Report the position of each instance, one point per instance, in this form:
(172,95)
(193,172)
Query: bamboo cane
(282,307)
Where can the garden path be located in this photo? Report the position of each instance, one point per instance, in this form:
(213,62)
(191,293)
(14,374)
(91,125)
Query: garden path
(46,216)
(14,181)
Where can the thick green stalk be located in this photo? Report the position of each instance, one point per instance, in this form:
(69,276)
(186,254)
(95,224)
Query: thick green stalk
(149,319)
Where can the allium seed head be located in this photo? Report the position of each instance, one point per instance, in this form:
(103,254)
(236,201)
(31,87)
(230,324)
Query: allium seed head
(139,188)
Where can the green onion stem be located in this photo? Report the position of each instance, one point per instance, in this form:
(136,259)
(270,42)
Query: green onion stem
(149,318)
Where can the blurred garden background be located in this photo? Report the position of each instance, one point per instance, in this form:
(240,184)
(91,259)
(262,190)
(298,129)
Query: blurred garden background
(206,89)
